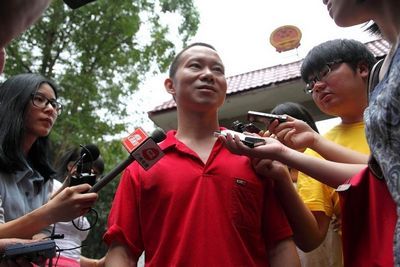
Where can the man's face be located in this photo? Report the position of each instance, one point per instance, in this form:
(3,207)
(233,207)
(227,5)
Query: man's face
(199,83)
(342,91)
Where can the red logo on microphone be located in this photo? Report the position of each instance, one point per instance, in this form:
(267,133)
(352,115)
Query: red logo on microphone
(150,153)
(134,140)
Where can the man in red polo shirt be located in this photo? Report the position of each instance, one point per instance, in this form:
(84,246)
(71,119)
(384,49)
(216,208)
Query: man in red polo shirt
(200,205)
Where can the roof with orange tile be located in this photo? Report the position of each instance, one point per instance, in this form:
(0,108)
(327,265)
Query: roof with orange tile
(270,75)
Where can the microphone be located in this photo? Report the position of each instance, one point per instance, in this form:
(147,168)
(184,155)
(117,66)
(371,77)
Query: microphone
(142,148)
(89,153)
(74,4)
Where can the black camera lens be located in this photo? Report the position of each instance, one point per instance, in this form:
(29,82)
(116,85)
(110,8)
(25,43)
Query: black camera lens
(238,126)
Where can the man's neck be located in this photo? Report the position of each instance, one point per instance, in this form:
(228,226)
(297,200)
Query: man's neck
(197,132)
(197,126)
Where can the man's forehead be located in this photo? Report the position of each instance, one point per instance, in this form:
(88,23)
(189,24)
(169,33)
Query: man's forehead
(199,51)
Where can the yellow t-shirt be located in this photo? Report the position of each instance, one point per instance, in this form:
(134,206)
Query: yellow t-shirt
(318,196)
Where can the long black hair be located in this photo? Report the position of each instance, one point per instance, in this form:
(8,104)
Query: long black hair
(15,95)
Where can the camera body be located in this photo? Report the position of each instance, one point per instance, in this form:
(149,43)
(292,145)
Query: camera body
(240,127)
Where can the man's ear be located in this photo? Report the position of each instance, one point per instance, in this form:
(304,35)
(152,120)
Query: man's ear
(363,69)
(169,86)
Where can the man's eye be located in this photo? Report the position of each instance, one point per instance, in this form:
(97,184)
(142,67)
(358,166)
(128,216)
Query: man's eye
(219,69)
(195,66)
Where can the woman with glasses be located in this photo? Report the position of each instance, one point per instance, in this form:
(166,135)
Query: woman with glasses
(29,109)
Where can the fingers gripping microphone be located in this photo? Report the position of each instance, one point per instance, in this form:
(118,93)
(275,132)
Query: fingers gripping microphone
(142,148)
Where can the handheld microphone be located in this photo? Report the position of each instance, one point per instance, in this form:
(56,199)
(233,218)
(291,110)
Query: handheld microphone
(74,4)
(142,148)
(89,153)
(84,174)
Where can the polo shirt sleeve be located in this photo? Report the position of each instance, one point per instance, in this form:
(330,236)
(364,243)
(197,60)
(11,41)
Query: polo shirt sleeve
(275,223)
(123,220)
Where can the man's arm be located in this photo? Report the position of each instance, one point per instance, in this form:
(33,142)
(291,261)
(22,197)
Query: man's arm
(284,253)
(119,255)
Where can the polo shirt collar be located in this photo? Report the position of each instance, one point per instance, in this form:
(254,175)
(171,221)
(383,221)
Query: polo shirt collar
(171,141)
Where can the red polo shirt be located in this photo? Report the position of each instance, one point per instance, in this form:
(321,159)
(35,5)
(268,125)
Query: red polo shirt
(183,212)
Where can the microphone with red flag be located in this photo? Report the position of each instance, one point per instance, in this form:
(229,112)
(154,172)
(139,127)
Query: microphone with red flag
(142,148)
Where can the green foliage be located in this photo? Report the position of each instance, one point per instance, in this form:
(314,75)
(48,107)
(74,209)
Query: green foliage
(98,54)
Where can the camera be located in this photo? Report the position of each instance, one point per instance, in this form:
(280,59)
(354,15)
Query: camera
(241,127)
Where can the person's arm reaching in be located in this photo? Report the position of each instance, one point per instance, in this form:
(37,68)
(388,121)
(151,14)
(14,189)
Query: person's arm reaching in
(298,135)
(328,172)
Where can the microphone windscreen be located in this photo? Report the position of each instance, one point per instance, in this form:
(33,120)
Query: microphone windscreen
(74,4)
(90,153)
(158,135)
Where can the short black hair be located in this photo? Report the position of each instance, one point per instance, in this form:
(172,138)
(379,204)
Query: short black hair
(175,61)
(349,51)
(296,111)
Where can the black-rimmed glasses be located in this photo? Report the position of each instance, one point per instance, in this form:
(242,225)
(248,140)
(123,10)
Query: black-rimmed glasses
(321,75)
(41,101)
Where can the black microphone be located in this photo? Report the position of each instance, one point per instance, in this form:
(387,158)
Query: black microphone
(84,174)
(89,153)
(74,4)
(142,148)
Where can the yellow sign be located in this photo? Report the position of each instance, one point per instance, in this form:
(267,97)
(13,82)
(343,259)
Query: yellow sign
(285,38)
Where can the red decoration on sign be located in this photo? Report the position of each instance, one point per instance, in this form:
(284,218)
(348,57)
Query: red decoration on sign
(285,38)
